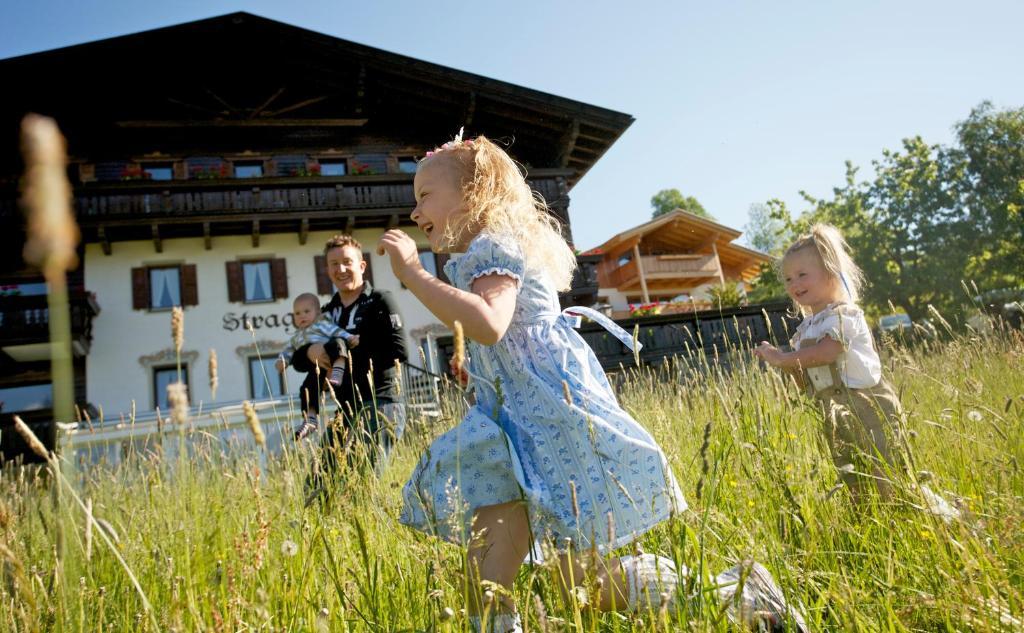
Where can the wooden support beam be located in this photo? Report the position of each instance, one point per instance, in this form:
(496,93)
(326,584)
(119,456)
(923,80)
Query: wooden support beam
(255,233)
(158,244)
(207,240)
(350,223)
(393,221)
(101,233)
(303,231)
(640,270)
(718,262)
(568,143)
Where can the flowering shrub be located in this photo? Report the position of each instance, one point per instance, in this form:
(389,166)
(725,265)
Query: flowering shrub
(312,170)
(360,169)
(210,173)
(645,309)
(134,173)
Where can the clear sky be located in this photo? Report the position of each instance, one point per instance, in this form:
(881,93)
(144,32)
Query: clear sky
(736,102)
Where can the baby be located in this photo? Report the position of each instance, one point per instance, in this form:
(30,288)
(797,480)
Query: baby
(313,327)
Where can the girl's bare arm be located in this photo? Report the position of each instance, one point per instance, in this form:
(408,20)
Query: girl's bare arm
(485,313)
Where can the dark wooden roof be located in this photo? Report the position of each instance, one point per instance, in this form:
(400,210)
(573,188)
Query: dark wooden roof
(243,82)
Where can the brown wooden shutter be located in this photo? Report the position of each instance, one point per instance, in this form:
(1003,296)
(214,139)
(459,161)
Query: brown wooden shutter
(279,278)
(140,288)
(323,282)
(189,285)
(368,273)
(440,259)
(236,285)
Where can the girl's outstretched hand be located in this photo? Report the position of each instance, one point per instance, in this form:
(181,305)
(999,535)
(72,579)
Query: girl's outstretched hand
(402,250)
(768,353)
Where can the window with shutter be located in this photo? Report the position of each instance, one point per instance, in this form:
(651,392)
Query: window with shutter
(323,282)
(279,278)
(368,273)
(140,289)
(257,287)
(164,287)
(236,289)
(189,285)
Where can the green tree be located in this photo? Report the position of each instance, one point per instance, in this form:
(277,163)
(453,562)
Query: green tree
(764,231)
(931,218)
(991,149)
(668,200)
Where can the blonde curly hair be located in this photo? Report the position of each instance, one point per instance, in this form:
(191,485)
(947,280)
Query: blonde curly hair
(498,201)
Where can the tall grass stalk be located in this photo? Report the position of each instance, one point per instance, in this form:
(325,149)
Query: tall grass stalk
(225,548)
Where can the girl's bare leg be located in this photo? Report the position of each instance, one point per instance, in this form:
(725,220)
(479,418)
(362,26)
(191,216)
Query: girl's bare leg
(604,576)
(501,540)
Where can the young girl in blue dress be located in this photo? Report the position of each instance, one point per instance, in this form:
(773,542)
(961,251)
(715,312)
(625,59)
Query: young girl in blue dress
(546,454)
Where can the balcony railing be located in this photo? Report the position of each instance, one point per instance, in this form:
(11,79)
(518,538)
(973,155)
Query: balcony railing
(95,203)
(660,267)
(26,319)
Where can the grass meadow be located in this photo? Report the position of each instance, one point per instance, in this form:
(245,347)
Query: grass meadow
(225,541)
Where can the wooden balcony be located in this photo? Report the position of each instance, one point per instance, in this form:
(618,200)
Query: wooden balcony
(132,210)
(25,320)
(661,272)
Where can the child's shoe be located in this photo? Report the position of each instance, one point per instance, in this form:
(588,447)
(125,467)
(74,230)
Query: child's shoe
(760,605)
(650,581)
(500,623)
(307,428)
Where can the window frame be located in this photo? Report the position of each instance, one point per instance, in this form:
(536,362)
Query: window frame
(324,162)
(157,165)
(181,298)
(247,163)
(271,372)
(406,160)
(270,281)
(156,370)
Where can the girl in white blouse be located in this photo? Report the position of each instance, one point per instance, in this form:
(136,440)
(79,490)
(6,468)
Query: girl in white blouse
(834,356)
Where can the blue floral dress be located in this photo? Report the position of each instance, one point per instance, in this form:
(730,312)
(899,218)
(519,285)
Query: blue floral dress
(523,440)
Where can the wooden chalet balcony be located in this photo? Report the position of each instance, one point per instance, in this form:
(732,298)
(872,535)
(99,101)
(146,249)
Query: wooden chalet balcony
(113,211)
(25,320)
(661,271)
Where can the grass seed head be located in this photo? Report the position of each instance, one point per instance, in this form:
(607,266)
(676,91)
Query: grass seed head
(254,424)
(213,373)
(52,233)
(30,438)
(177,398)
(177,327)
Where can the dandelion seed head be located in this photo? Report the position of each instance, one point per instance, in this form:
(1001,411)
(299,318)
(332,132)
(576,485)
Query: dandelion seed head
(289,548)
(974,415)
